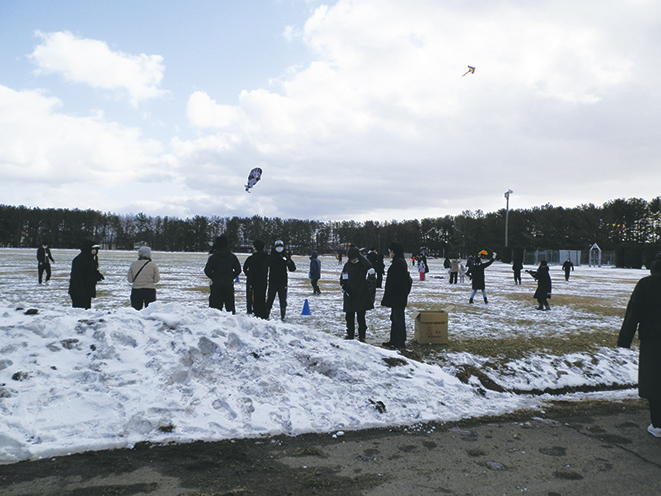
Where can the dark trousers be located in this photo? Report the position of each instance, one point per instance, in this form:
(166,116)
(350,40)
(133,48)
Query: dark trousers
(258,301)
(281,291)
(315,286)
(453,277)
(566,275)
(249,298)
(655,413)
(44,267)
(222,295)
(351,324)
(398,326)
(142,297)
(517,277)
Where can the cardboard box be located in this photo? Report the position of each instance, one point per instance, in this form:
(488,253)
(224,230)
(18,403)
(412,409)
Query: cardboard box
(431,327)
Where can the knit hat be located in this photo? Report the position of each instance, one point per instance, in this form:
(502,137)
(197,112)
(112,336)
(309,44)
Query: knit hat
(221,242)
(353,253)
(258,244)
(144,252)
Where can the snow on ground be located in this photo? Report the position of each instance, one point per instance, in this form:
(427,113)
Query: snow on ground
(73,380)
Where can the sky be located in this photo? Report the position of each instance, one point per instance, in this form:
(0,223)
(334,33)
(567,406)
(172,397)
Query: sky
(354,109)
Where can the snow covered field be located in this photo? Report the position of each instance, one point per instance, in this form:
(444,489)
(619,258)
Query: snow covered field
(73,380)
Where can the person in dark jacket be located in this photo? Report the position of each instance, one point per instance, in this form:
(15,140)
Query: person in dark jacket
(222,268)
(279,263)
(644,315)
(517,267)
(256,269)
(357,296)
(543,292)
(568,266)
(379,267)
(44,258)
(395,295)
(84,276)
(476,274)
(315,272)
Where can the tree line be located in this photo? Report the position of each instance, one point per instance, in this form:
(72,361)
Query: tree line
(631,228)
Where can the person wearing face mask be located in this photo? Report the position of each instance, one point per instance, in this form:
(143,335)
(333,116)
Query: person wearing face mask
(357,296)
(279,263)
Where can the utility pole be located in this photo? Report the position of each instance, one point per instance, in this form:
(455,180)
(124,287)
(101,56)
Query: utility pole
(507,212)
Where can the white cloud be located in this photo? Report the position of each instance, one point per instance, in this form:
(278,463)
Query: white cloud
(92,62)
(39,146)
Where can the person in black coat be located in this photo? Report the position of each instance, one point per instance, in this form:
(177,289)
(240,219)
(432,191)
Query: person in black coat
(543,292)
(377,264)
(644,315)
(84,276)
(222,268)
(568,266)
(44,258)
(476,273)
(517,267)
(357,296)
(256,269)
(395,295)
(279,263)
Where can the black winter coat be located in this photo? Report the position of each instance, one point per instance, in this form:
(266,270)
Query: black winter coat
(256,269)
(476,273)
(398,284)
(279,264)
(357,294)
(543,279)
(644,314)
(222,267)
(84,275)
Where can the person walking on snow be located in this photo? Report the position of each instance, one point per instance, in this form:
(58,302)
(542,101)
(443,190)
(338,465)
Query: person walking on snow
(279,263)
(44,258)
(568,266)
(84,276)
(476,274)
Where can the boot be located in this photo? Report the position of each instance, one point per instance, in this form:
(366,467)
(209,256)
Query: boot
(470,301)
(485,300)
(547,307)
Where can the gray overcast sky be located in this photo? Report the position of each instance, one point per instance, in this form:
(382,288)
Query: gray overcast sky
(354,109)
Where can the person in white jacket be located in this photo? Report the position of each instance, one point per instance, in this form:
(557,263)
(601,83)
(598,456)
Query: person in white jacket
(144,275)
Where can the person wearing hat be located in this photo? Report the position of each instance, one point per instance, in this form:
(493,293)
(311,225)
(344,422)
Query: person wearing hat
(222,267)
(476,274)
(143,275)
(644,315)
(84,276)
(279,263)
(44,258)
(256,269)
(315,272)
(395,295)
(357,297)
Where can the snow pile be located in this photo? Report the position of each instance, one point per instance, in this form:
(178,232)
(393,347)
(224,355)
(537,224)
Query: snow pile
(75,380)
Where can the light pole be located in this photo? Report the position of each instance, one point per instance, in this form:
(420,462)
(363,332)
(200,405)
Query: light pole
(507,212)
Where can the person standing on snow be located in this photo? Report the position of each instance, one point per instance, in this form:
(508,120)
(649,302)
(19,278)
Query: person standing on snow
(44,258)
(357,297)
(315,273)
(568,266)
(84,276)
(395,295)
(256,269)
(644,315)
(543,279)
(279,263)
(454,270)
(517,267)
(377,264)
(144,275)
(222,267)
(476,274)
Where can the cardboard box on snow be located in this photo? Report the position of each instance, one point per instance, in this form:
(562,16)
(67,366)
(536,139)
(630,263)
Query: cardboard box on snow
(431,327)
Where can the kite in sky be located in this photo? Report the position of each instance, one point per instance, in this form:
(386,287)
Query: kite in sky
(254,176)
(470,70)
